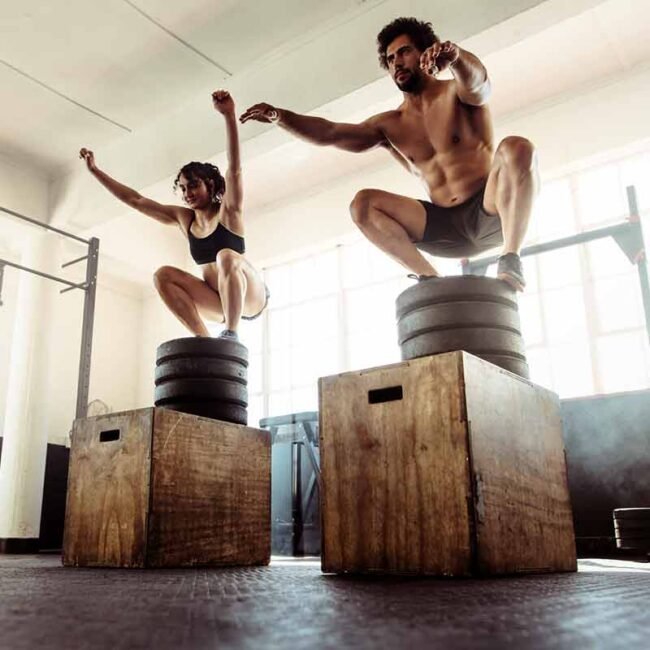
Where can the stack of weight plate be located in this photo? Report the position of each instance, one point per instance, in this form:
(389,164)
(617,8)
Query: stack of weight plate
(632,528)
(467,312)
(203,376)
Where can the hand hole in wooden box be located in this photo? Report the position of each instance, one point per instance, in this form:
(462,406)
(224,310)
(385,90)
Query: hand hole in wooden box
(380,395)
(109,436)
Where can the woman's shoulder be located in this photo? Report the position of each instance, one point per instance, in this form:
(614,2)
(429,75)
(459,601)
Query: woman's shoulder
(184,218)
(184,215)
(232,220)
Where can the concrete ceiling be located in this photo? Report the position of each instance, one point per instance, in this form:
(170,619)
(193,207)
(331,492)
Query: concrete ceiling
(132,78)
(97,71)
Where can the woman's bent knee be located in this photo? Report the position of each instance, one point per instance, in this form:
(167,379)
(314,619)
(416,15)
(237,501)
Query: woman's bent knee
(228,261)
(165,275)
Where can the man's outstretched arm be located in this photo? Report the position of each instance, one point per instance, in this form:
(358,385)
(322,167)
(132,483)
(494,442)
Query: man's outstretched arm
(472,83)
(349,137)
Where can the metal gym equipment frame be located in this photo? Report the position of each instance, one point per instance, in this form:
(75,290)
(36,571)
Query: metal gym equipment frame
(89,287)
(305,426)
(628,235)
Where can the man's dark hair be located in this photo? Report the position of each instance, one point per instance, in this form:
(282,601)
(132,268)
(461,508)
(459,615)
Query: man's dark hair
(208,173)
(420,33)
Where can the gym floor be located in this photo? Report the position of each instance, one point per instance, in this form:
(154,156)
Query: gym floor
(290,604)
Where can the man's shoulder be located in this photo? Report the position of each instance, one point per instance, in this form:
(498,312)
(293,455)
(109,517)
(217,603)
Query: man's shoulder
(384,118)
(443,88)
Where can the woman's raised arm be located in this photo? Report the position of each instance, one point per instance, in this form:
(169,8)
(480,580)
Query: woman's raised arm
(234,196)
(167,214)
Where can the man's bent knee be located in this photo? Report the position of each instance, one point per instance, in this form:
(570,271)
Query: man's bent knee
(360,205)
(518,152)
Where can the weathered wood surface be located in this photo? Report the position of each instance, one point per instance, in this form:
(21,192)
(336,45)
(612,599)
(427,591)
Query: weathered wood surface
(211,493)
(521,498)
(395,474)
(465,475)
(174,490)
(108,491)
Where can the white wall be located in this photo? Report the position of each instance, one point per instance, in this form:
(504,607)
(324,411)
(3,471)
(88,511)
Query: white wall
(588,122)
(114,374)
(117,339)
(7,315)
(25,191)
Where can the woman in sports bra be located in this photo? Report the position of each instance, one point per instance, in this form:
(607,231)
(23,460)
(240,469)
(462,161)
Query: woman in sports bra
(231,287)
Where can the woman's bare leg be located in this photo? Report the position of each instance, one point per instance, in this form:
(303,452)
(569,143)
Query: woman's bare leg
(188,298)
(240,287)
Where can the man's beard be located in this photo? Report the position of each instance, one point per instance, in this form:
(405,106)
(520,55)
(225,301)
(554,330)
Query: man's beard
(412,84)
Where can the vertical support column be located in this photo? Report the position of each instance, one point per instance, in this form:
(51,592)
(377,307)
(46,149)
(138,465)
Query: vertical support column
(642,268)
(85,357)
(2,272)
(24,449)
(641,256)
(296,498)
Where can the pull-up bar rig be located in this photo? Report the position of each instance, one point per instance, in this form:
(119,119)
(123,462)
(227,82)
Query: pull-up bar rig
(88,286)
(628,235)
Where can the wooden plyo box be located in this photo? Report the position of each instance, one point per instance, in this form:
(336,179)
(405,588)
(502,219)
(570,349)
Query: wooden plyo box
(159,488)
(444,465)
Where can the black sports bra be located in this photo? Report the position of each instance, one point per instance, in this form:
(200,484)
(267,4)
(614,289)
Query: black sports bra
(204,249)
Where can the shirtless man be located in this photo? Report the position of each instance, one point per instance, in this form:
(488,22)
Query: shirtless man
(442,133)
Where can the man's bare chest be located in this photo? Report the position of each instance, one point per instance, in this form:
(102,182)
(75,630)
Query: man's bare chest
(439,129)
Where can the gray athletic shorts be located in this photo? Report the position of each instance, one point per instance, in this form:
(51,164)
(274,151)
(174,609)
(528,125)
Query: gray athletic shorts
(259,313)
(463,230)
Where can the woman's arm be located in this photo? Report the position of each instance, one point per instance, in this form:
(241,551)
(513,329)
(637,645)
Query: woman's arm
(234,196)
(167,214)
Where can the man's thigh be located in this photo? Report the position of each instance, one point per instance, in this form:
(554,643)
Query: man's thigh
(409,213)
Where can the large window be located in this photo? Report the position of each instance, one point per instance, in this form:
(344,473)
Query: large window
(582,316)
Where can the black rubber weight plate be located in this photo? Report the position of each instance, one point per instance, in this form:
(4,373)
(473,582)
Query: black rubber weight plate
(632,513)
(455,288)
(514,365)
(201,346)
(218,390)
(632,525)
(633,538)
(478,341)
(634,543)
(215,411)
(197,367)
(458,315)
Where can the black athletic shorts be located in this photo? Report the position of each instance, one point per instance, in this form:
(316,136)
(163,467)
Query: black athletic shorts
(463,230)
